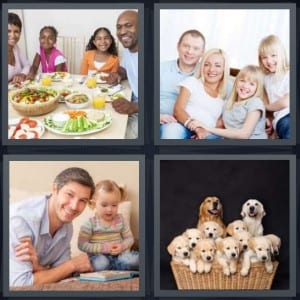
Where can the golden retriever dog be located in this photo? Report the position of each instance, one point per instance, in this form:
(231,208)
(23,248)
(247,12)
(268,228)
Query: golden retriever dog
(202,256)
(252,213)
(259,250)
(211,230)
(276,243)
(236,226)
(180,250)
(227,255)
(193,235)
(243,238)
(211,209)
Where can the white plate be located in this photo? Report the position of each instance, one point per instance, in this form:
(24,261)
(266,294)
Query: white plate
(55,76)
(58,131)
(99,75)
(12,123)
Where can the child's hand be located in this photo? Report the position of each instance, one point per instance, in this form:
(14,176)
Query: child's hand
(115,249)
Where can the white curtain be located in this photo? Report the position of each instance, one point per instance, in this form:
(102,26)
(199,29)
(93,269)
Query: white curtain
(236,31)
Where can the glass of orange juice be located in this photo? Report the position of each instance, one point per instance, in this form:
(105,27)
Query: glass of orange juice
(99,100)
(46,81)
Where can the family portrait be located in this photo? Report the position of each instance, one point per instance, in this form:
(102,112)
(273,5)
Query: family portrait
(224,225)
(66,83)
(76,221)
(216,83)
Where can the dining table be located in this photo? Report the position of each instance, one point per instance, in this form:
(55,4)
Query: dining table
(78,84)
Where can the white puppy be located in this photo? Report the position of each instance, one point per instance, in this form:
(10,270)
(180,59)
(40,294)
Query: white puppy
(243,238)
(202,256)
(227,255)
(180,250)
(252,213)
(259,250)
(210,230)
(276,243)
(193,235)
(236,226)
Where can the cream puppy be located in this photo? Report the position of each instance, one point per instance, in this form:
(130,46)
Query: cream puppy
(252,213)
(180,250)
(210,230)
(193,235)
(236,226)
(276,243)
(202,256)
(227,255)
(243,238)
(259,250)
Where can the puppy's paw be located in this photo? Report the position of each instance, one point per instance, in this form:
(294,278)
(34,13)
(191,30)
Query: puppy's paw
(269,268)
(193,266)
(207,269)
(232,270)
(226,271)
(244,272)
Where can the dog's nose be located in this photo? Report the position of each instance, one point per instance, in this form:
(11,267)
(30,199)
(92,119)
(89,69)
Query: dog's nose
(245,247)
(210,235)
(251,208)
(276,252)
(185,253)
(208,258)
(215,204)
(233,254)
(264,258)
(193,245)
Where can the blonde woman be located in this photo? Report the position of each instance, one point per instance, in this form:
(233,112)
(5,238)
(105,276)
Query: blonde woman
(201,98)
(274,63)
(244,115)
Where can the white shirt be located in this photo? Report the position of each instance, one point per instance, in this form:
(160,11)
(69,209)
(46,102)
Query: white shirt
(202,106)
(275,90)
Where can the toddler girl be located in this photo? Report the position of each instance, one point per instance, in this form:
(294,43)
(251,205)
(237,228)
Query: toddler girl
(51,59)
(106,237)
(101,54)
(244,112)
(274,63)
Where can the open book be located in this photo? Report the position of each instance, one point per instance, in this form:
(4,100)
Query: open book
(108,275)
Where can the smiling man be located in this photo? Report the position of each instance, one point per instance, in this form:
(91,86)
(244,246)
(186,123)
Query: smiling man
(127,33)
(190,49)
(41,230)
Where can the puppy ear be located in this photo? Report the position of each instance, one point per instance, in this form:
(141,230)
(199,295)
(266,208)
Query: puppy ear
(220,230)
(251,243)
(219,244)
(263,213)
(243,214)
(229,229)
(171,248)
(201,209)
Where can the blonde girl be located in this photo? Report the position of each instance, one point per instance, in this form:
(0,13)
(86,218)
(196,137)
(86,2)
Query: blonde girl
(201,98)
(106,237)
(274,63)
(244,112)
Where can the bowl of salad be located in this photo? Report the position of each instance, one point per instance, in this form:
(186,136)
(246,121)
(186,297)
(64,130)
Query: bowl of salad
(77,100)
(34,101)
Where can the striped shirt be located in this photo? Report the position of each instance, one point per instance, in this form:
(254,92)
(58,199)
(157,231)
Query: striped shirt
(94,238)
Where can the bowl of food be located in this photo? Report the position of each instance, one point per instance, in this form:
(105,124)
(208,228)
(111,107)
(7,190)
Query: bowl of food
(34,101)
(77,100)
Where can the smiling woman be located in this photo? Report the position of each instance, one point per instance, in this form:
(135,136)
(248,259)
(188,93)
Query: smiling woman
(18,66)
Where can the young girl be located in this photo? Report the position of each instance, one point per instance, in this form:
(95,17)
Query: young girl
(274,63)
(51,59)
(101,54)
(244,112)
(106,237)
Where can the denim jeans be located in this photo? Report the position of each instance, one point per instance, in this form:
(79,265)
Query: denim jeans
(177,131)
(124,261)
(283,127)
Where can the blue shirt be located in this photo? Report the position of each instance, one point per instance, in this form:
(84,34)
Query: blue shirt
(130,63)
(170,76)
(30,218)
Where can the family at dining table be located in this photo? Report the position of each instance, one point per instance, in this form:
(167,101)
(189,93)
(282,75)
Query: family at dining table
(101,56)
(200,100)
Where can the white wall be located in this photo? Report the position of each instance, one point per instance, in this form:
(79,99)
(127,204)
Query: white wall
(236,31)
(76,22)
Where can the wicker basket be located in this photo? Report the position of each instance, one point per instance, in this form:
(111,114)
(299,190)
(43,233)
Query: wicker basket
(258,278)
(36,109)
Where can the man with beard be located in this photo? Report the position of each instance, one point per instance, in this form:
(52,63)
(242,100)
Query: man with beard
(127,33)
(41,230)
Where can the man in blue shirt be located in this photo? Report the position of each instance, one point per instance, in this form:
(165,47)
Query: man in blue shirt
(190,49)
(40,231)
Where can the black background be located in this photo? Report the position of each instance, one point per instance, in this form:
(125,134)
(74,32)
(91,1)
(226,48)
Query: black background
(149,149)
(184,185)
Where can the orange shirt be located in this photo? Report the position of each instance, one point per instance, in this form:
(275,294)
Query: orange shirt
(111,65)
